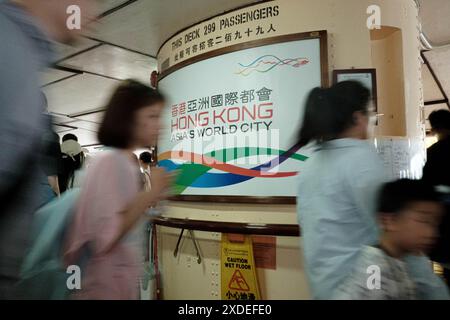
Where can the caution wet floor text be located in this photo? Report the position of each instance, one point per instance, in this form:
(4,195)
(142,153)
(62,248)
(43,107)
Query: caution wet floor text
(238,273)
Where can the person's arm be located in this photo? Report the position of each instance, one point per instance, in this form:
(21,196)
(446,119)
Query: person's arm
(53,182)
(131,215)
(428,285)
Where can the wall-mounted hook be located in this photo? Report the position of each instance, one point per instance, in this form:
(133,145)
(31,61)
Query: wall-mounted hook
(199,258)
(175,253)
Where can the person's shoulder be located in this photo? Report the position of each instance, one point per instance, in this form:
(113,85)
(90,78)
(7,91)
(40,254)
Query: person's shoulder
(353,149)
(5,22)
(364,148)
(13,39)
(355,286)
(371,255)
(105,157)
(442,146)
(111,158)
(370,260)
(363,157)
(101,164)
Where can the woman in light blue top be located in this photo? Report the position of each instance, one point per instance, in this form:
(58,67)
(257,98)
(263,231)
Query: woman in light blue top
(338,189)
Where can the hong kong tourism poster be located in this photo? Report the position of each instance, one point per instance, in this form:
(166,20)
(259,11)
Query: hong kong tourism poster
(231,121)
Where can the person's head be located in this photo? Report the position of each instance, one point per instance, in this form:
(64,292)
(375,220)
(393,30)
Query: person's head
(135,158)
(145,158)
(409,213)
(73,152)
(337,112)
(55,15)
(131,119)
(69,136)
(440,123)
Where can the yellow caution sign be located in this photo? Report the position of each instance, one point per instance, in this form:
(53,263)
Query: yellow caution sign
(238,272)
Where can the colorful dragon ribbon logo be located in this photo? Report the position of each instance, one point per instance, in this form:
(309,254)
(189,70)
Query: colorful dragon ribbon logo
(196,173)
(269,62)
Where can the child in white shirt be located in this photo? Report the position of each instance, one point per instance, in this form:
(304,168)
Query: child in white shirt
(409,213)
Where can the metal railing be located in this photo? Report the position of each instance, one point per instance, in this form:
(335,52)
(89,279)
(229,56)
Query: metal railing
(282,230)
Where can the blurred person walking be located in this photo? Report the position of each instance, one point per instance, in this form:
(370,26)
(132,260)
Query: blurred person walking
(109,222)
(338,188)
(437,168)
(27,29)
(49,158)
(72,162)
(145,160)
(409,213)
(437,173)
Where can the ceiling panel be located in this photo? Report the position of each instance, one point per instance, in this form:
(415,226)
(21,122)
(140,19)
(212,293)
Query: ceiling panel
(85,125)
(105,5)
(145,25)
(61,129)
(93,117)
(135,26)
(61,119)
(85,137)
(51,75)
(431,89)
(434,15)
(82,44)
(78,94)
(439,60)
(114,62)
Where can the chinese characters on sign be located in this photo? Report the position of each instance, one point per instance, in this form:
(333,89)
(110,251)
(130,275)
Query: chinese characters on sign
(227,30)
(226,38)
(223,113)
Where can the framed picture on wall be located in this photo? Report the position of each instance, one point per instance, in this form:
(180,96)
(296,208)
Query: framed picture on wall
(367,77)
(230,127)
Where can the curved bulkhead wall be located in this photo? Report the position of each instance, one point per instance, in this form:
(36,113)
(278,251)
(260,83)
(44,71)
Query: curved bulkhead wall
(350,45)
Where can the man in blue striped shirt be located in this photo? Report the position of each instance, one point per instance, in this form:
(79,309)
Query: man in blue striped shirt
(27,29)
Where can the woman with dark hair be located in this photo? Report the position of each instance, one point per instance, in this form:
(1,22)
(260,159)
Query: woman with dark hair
(337,112)
(108,222)
(72,162)
(338,190)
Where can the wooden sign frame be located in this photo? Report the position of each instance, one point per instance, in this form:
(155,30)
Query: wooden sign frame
(322,36)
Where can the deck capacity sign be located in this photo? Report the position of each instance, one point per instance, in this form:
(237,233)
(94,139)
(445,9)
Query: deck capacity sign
(238,272)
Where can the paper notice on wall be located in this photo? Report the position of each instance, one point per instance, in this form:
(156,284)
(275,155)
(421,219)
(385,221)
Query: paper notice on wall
(238,272)
(265,252)
(384,148)
(402,157)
